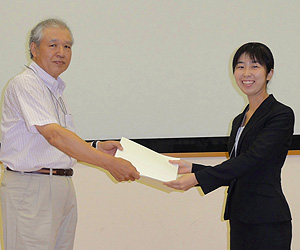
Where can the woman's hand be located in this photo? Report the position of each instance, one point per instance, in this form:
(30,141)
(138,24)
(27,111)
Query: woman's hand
(184,167)
(184,182)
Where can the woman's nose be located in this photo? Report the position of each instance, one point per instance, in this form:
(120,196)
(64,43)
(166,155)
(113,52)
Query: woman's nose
(247,72)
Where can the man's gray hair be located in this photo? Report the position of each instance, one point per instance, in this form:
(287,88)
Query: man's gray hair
(37,32)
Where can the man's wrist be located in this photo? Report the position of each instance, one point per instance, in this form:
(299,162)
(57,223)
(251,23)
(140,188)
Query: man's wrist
(95,144)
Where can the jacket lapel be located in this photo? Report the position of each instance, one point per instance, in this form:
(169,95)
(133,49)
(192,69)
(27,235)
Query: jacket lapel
(261,111)
(235,126)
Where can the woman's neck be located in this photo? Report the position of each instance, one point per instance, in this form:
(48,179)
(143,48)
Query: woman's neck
(256,101)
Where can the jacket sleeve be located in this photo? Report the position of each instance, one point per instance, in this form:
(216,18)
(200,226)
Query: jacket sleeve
(269,138)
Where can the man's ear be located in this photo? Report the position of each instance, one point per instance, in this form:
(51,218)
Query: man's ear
(34,49)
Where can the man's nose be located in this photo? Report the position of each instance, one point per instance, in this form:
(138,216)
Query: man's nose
(61,51)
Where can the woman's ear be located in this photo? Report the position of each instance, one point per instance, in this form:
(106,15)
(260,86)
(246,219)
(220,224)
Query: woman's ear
(270,74)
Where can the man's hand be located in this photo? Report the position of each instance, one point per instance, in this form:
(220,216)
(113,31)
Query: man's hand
(120,169)
(123,170)
(109,147)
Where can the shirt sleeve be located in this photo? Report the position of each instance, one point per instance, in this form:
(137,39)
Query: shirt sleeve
(31,99)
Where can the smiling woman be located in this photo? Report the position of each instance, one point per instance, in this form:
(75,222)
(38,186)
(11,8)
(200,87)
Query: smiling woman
(259,141)
(252,73)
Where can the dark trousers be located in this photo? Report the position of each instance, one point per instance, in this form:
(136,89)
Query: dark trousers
(264,236)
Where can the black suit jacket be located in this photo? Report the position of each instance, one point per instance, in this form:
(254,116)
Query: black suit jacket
(253,174)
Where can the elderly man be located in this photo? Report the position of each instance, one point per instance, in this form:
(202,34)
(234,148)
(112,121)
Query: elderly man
(39,148)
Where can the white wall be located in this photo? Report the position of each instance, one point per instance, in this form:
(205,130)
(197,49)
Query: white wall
(139,67)
(133,216)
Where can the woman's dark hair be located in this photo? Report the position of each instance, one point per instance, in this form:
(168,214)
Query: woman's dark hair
(257,52)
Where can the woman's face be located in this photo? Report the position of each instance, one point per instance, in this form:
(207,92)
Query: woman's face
(252,77)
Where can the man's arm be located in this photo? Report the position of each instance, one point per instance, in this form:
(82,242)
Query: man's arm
(72,145)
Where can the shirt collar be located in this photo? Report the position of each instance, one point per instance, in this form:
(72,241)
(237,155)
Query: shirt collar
(55,86)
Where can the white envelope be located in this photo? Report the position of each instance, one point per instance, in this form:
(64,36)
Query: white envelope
(149,163)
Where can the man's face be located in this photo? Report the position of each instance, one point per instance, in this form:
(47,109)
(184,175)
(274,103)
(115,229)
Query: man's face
(54,53)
